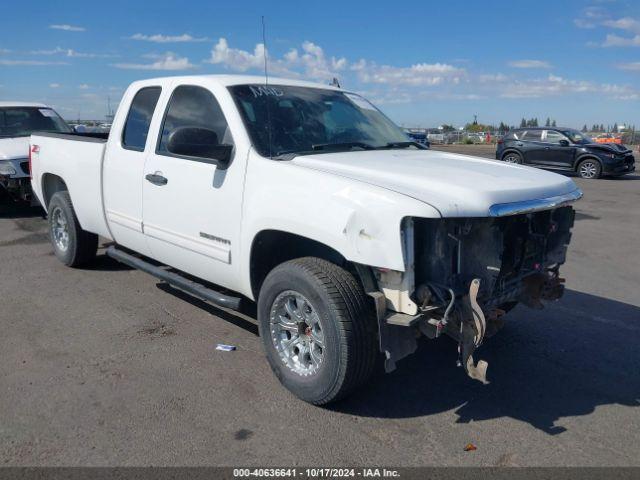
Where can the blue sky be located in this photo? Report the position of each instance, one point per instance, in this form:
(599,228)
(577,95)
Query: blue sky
(423,64)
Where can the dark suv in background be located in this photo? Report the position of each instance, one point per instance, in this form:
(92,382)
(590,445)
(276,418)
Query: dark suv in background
(564,149)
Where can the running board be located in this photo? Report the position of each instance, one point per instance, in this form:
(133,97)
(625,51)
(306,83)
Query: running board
(175,280)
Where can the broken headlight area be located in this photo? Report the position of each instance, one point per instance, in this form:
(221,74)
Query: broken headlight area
(469,272)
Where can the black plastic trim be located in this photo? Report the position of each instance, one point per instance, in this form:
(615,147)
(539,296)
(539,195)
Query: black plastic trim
(78,137)
(193,288)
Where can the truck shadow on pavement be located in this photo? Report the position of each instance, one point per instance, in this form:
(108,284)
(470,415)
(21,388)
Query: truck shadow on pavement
(564,361)
(10,209)
(239,319)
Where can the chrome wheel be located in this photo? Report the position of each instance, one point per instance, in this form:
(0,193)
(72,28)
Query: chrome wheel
(588,169)
(297,333)
(60,229)
(512,158)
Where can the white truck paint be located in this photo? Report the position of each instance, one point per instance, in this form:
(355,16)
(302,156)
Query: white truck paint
(205,220)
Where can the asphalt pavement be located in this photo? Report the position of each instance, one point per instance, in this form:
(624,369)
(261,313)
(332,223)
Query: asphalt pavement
(107,366)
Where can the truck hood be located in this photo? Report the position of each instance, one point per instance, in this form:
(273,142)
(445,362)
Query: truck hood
(12,148)
(456,185)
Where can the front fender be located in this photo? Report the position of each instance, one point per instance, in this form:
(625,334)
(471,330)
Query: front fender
(358,220)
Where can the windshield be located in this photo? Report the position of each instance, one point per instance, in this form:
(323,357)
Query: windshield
(577,137)
(312,120)
(23,121)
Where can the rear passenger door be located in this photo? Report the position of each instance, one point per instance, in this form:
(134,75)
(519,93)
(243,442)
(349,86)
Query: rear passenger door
(124,166)
(532,147)
(192,205)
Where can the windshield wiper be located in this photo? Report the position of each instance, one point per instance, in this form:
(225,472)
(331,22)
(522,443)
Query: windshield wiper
(321,147)
(404,145)
(340,146)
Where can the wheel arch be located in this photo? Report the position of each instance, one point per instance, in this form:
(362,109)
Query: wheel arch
(271,248)
(51,184)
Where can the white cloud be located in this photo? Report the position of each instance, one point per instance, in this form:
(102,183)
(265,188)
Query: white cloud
(36,63)
(419,74)
(73,53)
(239,60)
(67,27)
(554,85)
(54,85)
(613,40)
(169,61)
(529,64)
(53,51)
(314,62)
(311,62)
(83,86)
(4,50)
(593,17)
(492,78)
(624,23)
(632,66)
(68,52)
(157,38)
(584,23)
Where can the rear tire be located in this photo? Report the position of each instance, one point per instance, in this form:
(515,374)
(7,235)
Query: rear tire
(512,157)
(589,169)
(318,329)
(72,246)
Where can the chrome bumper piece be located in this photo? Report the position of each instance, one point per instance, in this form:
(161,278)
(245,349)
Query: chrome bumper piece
(528,206)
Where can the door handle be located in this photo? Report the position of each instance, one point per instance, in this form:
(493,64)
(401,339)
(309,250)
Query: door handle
(547,148)
(156,178)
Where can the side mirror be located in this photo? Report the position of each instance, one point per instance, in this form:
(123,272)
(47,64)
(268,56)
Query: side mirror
(80,129)
(199,143)
(564,143)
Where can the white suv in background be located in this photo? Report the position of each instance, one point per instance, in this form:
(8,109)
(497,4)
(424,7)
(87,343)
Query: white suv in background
(18,120)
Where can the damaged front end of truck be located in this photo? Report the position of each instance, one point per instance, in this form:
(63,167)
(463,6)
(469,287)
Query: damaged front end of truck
(464,274)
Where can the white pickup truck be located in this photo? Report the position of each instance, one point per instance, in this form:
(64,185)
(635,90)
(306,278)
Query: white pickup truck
(306,199)
(17,121)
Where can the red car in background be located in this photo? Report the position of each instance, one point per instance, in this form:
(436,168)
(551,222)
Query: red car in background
(608,138)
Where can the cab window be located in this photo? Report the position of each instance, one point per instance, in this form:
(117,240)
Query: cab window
(193,106)
(136,127)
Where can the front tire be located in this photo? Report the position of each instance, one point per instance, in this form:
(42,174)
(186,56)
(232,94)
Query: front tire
(318,329)
(72,246)
(589,169)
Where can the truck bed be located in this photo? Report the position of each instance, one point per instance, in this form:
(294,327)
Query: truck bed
(76,158)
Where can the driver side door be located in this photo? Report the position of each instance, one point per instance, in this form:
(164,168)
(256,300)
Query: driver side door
(192,205)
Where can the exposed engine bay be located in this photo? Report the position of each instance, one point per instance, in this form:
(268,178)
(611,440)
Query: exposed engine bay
(469,272)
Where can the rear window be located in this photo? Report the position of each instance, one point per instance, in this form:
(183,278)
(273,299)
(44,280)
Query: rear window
(534,135)
(513,135)
(23,121)
(136,128)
